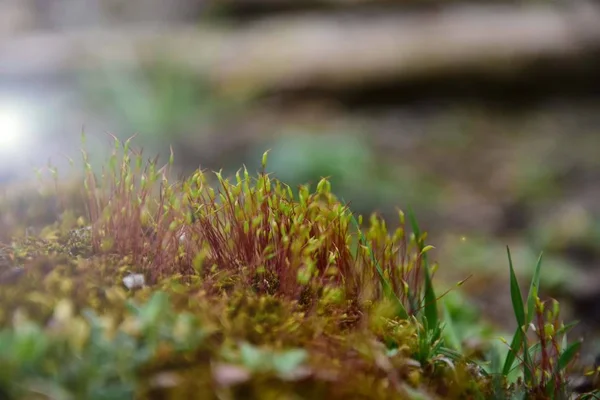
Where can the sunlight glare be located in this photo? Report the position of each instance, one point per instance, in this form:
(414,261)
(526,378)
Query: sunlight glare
(12,130)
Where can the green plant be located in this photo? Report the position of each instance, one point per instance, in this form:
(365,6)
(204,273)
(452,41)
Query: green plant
(89,356)
(543,365)
(249,289)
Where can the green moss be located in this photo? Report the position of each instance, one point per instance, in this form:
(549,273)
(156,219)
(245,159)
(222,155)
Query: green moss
(249,290)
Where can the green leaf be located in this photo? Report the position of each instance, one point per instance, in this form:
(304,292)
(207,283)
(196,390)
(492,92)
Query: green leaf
(515,294)
(427,248)
(567,355)
(534,289)
(157,306)
(517,303)
(450,333)
(451,353)
(252,357)
(431,312)
(287,362)
(515,344)
(520,338)
(564,329)
(264,159)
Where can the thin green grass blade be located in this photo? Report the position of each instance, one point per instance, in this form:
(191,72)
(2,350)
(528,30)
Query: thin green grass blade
(550,389)
(451,353)
(515,345)
(567,355)
(534,347)
(515,293)
(534,289)
(528,371)
(517,303)
(532,296)
(564,329)
(519,310)
(450,333)
(595,395)
(528,368)
(431,312)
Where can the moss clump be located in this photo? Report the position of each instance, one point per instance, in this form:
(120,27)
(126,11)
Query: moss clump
(237,289)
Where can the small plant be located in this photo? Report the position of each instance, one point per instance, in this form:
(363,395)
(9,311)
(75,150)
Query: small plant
(244,288)
(90,356)
(543,364)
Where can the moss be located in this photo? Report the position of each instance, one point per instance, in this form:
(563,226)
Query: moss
(249,291)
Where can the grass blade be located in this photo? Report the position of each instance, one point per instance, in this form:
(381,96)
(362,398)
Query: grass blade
(567,355)
(520,338)
(515,293)
(534,289)
(564,329)
(512,352)
(431,312)
(517,303)
(450,330)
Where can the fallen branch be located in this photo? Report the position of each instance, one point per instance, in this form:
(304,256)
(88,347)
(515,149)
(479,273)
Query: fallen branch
(320,51)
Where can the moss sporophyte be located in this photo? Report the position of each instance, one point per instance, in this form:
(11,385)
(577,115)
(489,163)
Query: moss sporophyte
(134,285)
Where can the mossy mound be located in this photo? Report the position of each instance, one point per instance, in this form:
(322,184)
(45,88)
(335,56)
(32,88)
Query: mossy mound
(142,287)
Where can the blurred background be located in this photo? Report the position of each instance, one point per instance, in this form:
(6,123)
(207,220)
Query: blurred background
(482,116)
